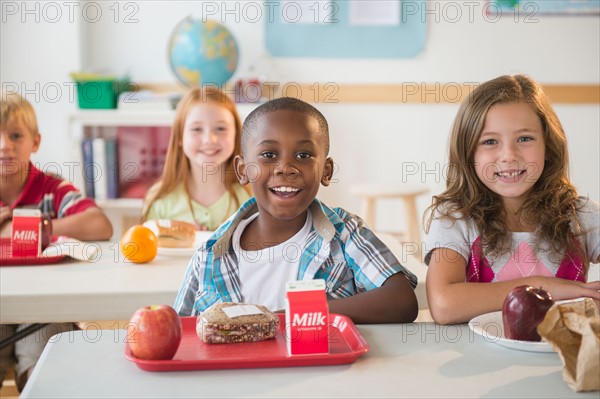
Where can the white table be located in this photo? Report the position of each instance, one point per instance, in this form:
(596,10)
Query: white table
(404,360)
(107,289)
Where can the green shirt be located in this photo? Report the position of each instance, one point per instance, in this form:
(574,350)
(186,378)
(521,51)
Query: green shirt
(175,206)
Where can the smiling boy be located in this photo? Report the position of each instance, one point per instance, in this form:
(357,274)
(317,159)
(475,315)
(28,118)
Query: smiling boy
(285,233)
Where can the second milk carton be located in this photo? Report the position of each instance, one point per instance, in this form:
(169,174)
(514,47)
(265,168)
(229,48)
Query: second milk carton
(307,317)
(26,234)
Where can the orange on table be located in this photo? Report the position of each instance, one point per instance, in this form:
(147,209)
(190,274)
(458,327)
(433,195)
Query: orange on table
(139,244)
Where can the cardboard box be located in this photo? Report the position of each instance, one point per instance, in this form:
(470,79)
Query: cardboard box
(26,234)
(307,317)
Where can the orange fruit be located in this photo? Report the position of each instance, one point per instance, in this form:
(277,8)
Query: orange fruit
(139,244)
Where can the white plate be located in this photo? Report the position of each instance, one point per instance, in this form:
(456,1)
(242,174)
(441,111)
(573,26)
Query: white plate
(491,328)
(201,238)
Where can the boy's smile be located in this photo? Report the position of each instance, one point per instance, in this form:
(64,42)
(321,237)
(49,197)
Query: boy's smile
(285,162)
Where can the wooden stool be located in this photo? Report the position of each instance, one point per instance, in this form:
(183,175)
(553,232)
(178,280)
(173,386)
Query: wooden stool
(9,388)
(370,193)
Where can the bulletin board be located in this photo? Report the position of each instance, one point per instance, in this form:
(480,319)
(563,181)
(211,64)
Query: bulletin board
(533,8)
(330,30)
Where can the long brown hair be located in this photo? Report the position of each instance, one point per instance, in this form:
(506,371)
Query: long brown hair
(551,204)
(177,166)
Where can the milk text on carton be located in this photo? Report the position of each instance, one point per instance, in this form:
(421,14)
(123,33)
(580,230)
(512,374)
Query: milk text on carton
(26,234)
(310,319)
(307,317)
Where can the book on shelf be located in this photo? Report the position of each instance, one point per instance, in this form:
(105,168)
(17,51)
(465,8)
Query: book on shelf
(123,163)
(112,167)
(88,167)
(100,169)
(141,151)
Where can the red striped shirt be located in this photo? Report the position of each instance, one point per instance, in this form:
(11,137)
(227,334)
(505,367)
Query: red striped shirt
(52,195)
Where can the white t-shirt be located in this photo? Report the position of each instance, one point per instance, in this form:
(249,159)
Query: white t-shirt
(264,273)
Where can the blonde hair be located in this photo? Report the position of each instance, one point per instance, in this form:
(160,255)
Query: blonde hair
(551,204)
(177,166)
(14,108)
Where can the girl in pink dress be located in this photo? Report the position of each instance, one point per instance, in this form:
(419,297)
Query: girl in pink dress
(509,215)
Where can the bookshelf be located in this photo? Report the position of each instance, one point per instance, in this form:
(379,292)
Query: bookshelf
(113,117)
(132,130)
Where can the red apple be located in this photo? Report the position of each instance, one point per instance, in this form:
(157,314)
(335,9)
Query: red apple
(46,231)
(154,332)
(523,310)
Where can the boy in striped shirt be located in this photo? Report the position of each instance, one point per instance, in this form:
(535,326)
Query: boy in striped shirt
(22,185)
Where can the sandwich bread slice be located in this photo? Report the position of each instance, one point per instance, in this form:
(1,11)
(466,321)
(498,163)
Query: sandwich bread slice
(230,322)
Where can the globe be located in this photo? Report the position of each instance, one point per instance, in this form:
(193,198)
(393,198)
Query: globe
(202,53)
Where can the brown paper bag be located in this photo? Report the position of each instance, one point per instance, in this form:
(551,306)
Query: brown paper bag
(573,330)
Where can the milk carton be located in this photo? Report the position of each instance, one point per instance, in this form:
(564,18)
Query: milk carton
(307,317)
(26,234)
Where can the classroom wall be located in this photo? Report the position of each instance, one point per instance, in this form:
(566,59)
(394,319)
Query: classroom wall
(463,45)
(370,142)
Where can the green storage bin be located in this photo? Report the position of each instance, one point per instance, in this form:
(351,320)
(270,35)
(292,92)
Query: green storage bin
(100,94)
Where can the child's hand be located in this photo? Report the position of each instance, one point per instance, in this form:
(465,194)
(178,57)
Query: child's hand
(561,289)
(5,214)
(5,218)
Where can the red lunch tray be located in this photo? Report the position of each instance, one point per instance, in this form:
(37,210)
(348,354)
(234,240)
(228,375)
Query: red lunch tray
(6,258)
(346,344)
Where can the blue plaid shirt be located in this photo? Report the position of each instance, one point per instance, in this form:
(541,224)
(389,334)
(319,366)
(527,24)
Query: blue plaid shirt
(340,250)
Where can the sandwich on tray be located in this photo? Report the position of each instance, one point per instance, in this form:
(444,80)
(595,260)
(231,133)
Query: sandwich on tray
(230,322)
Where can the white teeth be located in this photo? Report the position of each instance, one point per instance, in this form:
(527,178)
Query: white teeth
(286,189)
(509,174)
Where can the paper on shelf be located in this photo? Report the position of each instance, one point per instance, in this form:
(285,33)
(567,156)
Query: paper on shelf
(375,12)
